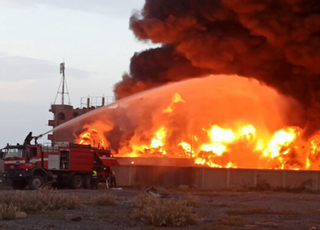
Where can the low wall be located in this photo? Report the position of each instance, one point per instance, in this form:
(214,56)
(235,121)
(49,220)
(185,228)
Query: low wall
(215,178)
(156,161)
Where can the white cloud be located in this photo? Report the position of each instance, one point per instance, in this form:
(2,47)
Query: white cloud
(15,90)
(17,119)
(24,79)
(17,68)
(119,8)
(36,35)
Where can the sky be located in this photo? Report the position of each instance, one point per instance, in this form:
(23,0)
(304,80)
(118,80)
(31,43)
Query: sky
(91,37)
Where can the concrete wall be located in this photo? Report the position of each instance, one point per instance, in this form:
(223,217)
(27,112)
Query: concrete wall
(215,178)
(129,175)
(156,161)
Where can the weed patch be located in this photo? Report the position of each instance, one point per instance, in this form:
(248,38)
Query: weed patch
(159,212)
(190,200)
(106,199)
(38,201)
(7,212)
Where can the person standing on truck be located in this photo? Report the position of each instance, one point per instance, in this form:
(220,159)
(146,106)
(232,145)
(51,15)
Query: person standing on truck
(94,179)
(113,179)
(27,140)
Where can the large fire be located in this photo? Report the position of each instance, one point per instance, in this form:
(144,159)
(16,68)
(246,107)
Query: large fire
(275,149)
(242,140)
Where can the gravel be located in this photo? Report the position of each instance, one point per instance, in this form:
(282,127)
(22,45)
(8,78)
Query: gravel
(285,211)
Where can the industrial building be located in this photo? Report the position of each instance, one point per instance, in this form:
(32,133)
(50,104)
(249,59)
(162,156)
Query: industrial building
(63,112)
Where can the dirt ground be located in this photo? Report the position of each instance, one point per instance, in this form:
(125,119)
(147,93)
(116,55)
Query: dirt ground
(216,210)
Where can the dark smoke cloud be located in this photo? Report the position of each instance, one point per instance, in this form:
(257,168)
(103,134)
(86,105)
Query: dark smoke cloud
(275,42)
(163,64)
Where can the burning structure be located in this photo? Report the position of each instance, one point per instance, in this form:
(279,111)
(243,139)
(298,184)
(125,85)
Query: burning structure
(65,112)
(218,121)
(251,95)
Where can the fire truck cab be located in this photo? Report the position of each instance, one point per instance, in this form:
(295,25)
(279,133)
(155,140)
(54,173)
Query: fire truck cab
(60,164)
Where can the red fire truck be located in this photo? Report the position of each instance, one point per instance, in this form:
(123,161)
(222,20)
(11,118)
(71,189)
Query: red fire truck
(61,165)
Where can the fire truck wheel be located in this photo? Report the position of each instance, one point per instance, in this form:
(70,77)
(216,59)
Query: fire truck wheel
(19,184)
(87,181)
(77,182)
(36,182)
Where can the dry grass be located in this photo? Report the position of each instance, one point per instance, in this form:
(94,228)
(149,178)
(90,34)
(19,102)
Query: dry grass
(159,212)
(38,201)
(7,212)
(190,200)
(106,199)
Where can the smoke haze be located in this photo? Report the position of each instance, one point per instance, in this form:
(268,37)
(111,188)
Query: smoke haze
(275,42)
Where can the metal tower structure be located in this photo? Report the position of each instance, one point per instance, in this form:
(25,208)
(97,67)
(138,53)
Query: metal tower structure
(62,85)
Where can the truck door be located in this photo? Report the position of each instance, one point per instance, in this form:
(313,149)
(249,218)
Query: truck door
(64,159)
(32,156)
(2,153)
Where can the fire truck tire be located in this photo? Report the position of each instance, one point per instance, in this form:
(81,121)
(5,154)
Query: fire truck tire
(87,181)
(36,182)
(19,184)
(77,182)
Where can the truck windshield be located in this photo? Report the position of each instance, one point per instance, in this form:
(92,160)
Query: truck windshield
(15,153)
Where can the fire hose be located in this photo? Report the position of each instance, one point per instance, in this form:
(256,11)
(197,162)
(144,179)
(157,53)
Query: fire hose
(39,136)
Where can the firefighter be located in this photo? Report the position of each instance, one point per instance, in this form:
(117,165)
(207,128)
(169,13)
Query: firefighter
(94,179)
(113,179)
(28,139)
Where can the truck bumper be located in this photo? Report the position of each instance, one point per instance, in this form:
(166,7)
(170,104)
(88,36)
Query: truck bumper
(16,175)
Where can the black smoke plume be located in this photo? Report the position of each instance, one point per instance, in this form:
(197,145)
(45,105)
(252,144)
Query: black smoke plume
(275,42)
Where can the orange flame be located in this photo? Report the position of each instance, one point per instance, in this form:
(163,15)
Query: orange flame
(93,138)
(238,144)
(175,99)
